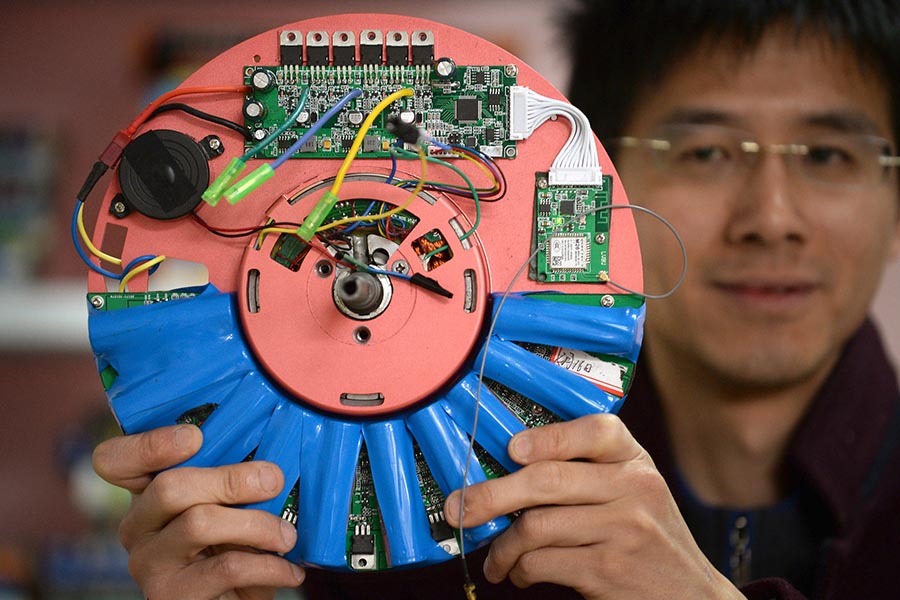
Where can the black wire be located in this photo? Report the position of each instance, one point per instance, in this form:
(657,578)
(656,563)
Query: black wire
(235,234)
(195,112)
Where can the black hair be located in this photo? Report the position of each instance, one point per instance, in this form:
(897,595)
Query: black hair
(620,47)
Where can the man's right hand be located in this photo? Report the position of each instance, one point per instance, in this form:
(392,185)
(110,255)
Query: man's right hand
(183,538)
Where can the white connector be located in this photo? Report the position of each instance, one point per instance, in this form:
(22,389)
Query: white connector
(577,162)
(518,113)
(576,176)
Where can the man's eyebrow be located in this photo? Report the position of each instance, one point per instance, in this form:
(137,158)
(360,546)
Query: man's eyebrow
(697,116)
(844,121)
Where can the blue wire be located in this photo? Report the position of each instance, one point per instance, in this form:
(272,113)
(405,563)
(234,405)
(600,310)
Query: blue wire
(356,224)
(141,259)
(80,250)
(354,93)
(292,119)
(389,273)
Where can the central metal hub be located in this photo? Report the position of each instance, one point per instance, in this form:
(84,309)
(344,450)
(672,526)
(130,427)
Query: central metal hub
(360,295)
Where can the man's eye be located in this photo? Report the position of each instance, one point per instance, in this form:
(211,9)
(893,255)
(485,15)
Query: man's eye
(830,156)
(703,154)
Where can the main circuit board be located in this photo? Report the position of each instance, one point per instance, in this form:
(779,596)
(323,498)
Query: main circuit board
(468,106)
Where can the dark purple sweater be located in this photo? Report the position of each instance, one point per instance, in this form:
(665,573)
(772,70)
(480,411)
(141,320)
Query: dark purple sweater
(846,453)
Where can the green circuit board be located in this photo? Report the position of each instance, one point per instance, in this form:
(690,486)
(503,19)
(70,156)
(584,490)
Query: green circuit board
(469,108)
(572,237)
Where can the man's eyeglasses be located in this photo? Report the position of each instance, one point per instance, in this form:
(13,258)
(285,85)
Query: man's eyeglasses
(713,153)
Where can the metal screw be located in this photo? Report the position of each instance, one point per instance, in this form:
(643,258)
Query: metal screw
(510,152)
(215,143)
(600,238)
(362,335)
(542,183)
(400,266)
(119,208)
(511,70)
(97,301)
(324,268)
(607,301)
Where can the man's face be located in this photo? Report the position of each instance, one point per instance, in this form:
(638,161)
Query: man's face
(781,268)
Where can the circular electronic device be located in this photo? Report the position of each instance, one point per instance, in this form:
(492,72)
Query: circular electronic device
(163,173)
(418,257)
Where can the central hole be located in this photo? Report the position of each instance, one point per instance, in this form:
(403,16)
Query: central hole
(350,287)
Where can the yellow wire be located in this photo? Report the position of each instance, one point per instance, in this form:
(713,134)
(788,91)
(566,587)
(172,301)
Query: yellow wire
(140,269)
(423,159)
(480,166)
(264,232)
(87,241)
(363,129)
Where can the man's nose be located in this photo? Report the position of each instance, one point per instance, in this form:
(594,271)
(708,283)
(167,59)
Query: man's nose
(770,206)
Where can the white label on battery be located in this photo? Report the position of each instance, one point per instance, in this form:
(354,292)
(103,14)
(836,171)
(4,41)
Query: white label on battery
(606,375)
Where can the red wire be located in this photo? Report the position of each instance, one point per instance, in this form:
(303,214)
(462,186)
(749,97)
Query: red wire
(141,118)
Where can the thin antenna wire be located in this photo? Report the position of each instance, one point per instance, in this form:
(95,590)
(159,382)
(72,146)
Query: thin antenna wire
(468,585)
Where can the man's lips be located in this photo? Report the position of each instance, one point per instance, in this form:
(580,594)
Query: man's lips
(769,295)
(766,289)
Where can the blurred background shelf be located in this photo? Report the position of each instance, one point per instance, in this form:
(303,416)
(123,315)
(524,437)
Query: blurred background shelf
(48,315)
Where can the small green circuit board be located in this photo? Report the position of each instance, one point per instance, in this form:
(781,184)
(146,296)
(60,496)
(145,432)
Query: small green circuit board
(571,234)
(119,300)
(469,108)
(526,410)
(366,549)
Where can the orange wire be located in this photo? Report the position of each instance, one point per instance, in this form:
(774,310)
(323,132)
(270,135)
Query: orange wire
(240,89)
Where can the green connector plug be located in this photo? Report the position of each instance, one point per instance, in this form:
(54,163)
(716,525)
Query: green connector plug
(315,218)
(249,183)
(214,192)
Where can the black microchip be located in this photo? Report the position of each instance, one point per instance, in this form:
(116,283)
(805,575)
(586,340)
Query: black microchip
(471,141)
(490,135)
(362,544)
(479,77)
(422,55)
(370,53)
(397,56)
(344,56)
(284,144)
(345,144)
(544,209)
(467,110)
(495,99)
(440,531)
(317,56)
(291,54)
(567,207)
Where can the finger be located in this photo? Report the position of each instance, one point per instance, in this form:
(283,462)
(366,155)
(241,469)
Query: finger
(543,483)
(599,438)
(174,491)
(217,575)
(558,526)
(130,461)
(207,525)
(562,566)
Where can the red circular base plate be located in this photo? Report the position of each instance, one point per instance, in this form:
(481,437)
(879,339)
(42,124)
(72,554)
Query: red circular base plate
(403,355)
